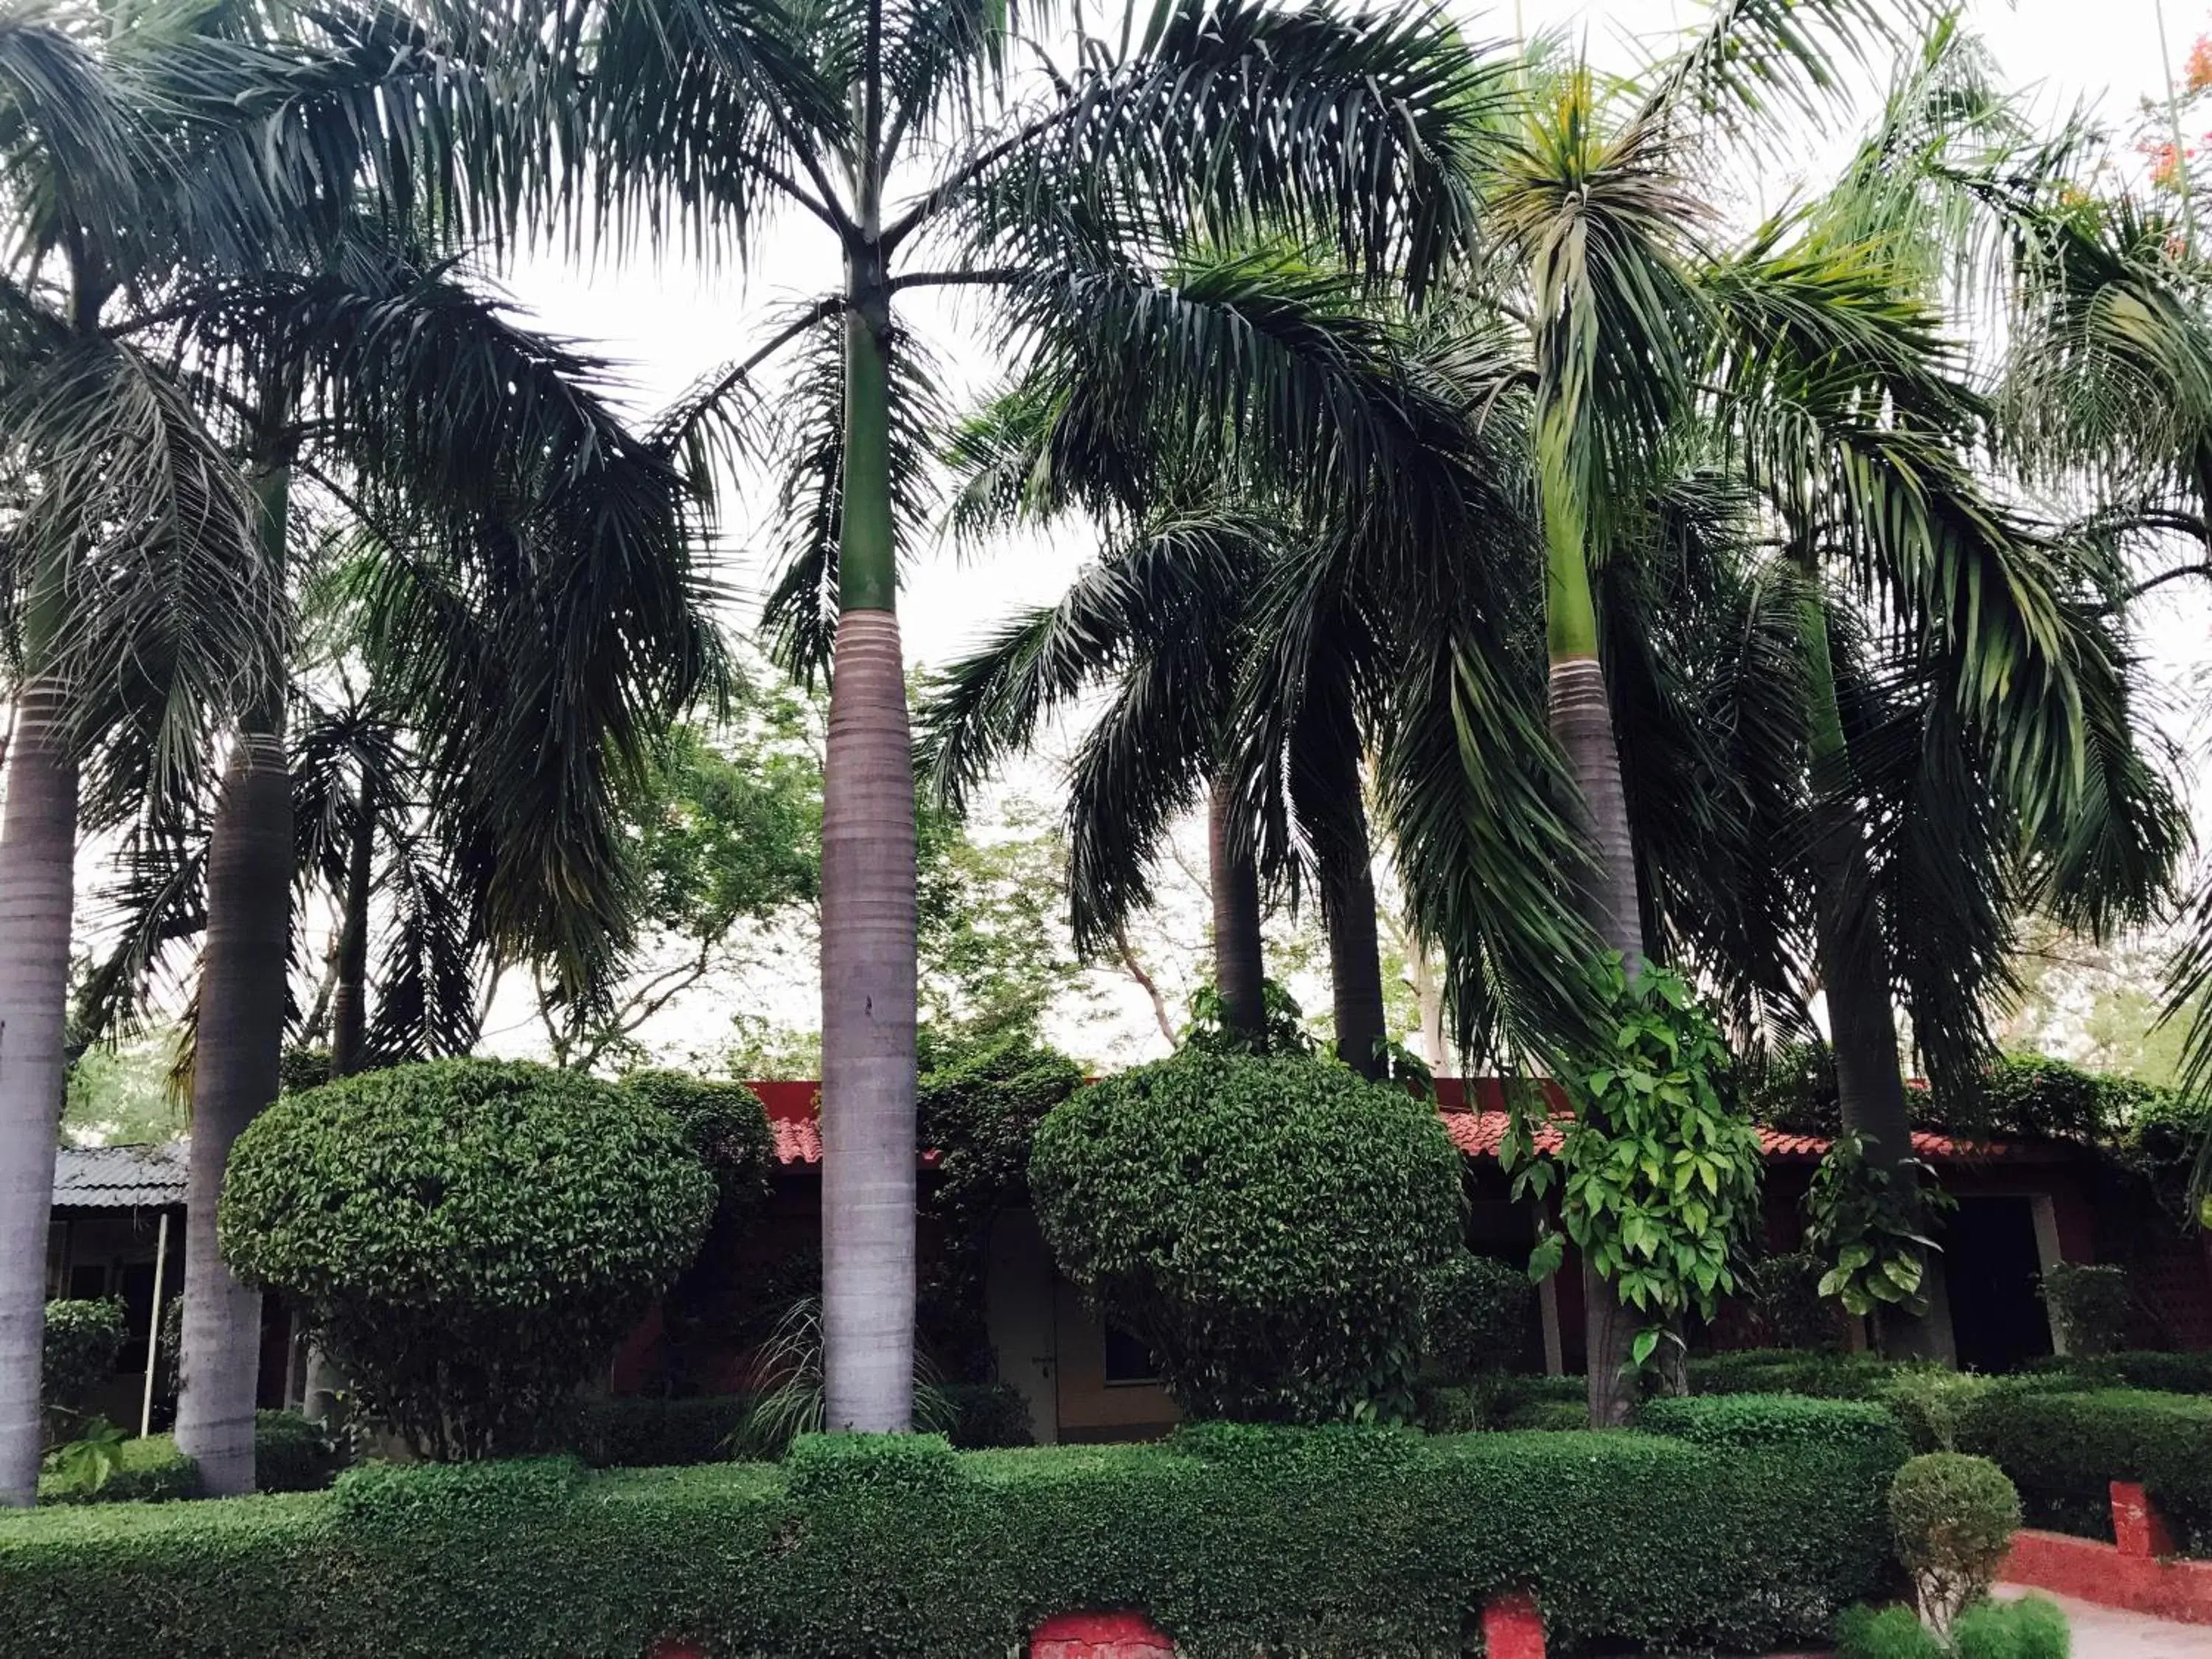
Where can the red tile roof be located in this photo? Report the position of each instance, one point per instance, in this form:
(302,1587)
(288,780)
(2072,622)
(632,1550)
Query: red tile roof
(795,1116)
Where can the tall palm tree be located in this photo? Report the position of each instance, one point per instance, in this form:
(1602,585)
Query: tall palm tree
(907,131)
(143,614)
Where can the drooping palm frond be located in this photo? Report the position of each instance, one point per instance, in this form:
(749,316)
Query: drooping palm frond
(1754,66)
(134,569)
(1185,576)
(800,616)
(432,959)
(75,148)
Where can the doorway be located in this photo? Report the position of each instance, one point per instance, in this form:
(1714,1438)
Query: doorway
(1994,1265)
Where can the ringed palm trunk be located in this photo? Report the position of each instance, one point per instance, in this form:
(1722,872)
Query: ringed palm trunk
(325,1380)
(349,996)
(867,923)
(1233,885)
(243,967)
(1581,724)
(1854,963)
(1348,909)
(37,846)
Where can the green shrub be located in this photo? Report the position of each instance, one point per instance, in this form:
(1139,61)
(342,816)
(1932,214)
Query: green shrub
(83,1339)
(1952,1517)
(1742,1421)
(1335,1542)
(656,1431)
(1475,1316)
(2089,1305)
(2138,1368)
(2063,1447)
(1787,1306)
(2030,1628)
(1886,1633)
(1933,1404)
(1790,1370)
(468,1238)
(1262,1225)
(977,1108)
(148,1471)
(726,1127)
(291,1453)
(986,1416)
(2034,1094)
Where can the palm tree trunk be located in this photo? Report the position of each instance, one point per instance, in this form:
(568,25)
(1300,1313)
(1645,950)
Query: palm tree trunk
(1240,971)
(867,925)
(245,959)
(349,997)
(1347,907)
(38,850)
(1854,959)
(1581,724)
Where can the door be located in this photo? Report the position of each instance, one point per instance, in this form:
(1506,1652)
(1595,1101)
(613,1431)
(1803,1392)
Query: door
(1994,1267)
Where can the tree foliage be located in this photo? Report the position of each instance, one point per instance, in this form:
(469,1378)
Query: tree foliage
(468,1238)
(1263,1225)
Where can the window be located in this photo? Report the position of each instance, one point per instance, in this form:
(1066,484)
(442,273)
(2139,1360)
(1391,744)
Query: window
(1128,1362)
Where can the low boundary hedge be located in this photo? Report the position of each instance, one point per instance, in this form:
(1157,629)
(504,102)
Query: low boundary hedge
(1330,1541)
(2063,1447)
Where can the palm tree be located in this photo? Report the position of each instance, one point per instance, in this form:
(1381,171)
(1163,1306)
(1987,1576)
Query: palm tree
(905,130)
(144,612)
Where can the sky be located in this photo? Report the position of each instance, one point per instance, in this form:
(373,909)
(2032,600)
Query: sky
(665,323)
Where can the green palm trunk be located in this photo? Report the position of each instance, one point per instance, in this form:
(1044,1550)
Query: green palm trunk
(1582,725)
(1852,955)
(238,1050)
(868,920)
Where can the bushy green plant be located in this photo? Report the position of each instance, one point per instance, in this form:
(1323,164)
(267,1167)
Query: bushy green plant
(1475,1315)
(1282,1024)
(1933,1404)
(125,1471)
(1866,1633)
(788,1383)
(1952,1517)
(291,1453)
(468,1238)
(2064,1446)
(83,1339)
(1787,1304)
(1262,1225)
(2089,1304)
(2034,1094)
(1872,1229)
(1660,1172)
(977,1108)
(1793,1089)
(1338,1541)
(725,1125)
(2030,1628)
(984,1416)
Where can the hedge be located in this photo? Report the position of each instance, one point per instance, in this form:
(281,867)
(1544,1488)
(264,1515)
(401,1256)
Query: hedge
(2063,1447)
(290,1454)
(1328,1542)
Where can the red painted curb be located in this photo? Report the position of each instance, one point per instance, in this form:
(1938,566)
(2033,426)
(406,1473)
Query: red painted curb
(1100,1636)
(2110,1577)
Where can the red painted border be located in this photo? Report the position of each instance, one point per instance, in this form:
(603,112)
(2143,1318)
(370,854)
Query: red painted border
(2101,1573)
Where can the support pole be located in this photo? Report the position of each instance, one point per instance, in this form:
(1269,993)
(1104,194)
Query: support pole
(154,1327)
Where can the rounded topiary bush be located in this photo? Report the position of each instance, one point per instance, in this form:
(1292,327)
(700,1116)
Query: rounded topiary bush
(1262,1224)
(726,1126)
(1953,1518)
(1475,1316)
(84,1340)
(469,1238)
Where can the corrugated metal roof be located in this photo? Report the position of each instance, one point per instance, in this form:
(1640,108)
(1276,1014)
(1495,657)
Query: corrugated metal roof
(120,1177)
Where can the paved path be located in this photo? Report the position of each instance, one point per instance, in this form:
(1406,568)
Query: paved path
(2108,1633)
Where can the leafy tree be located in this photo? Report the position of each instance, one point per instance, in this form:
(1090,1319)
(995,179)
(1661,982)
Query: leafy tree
(1036,190)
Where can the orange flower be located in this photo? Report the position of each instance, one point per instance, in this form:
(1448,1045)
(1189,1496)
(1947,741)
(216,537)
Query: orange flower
(2199,71)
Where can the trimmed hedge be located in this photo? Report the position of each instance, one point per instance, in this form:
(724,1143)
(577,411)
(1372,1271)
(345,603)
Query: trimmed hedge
(2063,1447)
(290,1454)
(1328,1542)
